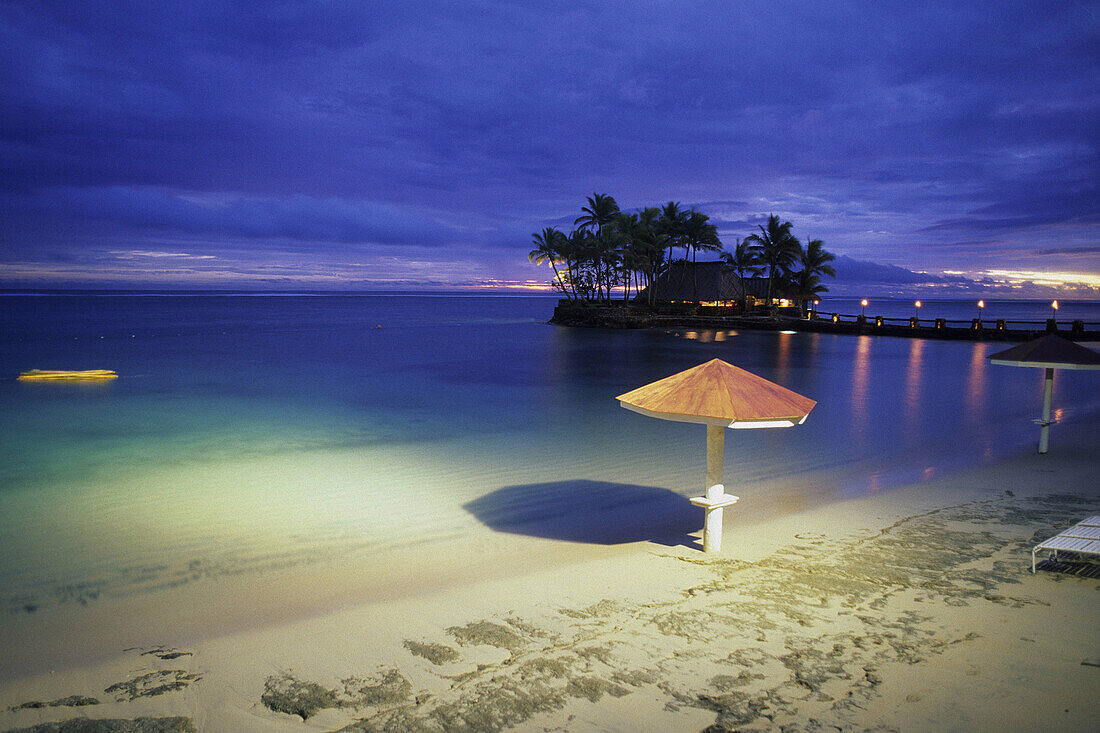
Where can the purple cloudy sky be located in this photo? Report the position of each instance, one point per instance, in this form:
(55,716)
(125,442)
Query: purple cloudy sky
(938,147)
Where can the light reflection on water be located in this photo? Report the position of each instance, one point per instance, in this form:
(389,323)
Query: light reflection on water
(974,396)
(975,399)
(913,373)
(783,357)
(861,376)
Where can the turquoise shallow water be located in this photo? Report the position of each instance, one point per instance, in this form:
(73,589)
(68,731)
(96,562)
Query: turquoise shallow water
(247,433)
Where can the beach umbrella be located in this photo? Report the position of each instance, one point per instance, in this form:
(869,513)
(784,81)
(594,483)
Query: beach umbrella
(720,396)
(1049,352)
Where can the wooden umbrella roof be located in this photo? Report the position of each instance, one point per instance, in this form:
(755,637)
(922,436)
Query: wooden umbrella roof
(1050,351)
(717,393)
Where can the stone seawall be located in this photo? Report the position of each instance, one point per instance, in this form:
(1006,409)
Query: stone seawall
(619,317)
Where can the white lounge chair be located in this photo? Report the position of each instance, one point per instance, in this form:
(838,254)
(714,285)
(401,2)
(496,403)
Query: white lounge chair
(1082,538)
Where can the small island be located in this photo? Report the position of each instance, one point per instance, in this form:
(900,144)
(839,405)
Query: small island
(640,269)
(649,259)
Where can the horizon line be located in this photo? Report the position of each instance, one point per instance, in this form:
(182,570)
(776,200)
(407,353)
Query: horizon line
(471,291)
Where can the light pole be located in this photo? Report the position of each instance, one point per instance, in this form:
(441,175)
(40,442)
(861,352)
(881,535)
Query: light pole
(916,309)
(1054,310)
(862,306)
(981,304)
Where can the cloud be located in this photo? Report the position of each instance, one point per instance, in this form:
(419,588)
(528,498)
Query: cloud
(1061,203)
(296,217)
(1093,250)
(134,254)
(876,126)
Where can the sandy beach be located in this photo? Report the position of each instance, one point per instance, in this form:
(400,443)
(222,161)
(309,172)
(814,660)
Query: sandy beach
(910,610)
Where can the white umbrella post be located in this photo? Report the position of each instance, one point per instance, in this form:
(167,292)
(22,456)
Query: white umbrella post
(1045,422)
(716,497)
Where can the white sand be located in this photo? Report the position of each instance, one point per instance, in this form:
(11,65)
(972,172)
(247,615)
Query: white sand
(912,610)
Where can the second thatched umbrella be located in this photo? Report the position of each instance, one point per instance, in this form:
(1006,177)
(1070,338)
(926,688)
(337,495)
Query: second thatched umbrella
(1049,352)
(718,395)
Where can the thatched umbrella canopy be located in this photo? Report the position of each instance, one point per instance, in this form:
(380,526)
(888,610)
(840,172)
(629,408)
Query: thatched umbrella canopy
(1049,352)
(718,395)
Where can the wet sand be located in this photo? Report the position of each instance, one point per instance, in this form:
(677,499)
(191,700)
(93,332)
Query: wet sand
(910,610)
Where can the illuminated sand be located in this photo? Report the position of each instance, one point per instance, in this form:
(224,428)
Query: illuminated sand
(107,563)
(913,610)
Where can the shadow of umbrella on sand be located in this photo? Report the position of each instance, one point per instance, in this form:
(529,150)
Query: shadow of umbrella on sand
(720,396)
(1049,352)
(595,512)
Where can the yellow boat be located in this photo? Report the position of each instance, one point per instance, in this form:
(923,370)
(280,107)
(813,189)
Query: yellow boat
(42,375)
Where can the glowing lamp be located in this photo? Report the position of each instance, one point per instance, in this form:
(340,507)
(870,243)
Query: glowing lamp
(862,305)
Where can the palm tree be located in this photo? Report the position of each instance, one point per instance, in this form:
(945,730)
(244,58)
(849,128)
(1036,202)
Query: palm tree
(599,213)
(549,248)
(579,250)
(699,234)
(807,286)
(741,260)
(624,230)
(649,247)
(671,224)
(776,248)
(816,260)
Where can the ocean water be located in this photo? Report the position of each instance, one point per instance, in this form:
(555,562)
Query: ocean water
(252,433)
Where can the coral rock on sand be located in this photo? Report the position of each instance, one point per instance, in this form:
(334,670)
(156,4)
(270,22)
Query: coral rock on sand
(137,725)
(70,701)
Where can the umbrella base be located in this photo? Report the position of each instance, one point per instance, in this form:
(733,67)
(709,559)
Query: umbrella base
(708,504)
(713,502)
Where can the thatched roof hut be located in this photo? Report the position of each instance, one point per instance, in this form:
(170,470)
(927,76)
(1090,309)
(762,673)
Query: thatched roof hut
(704,282)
